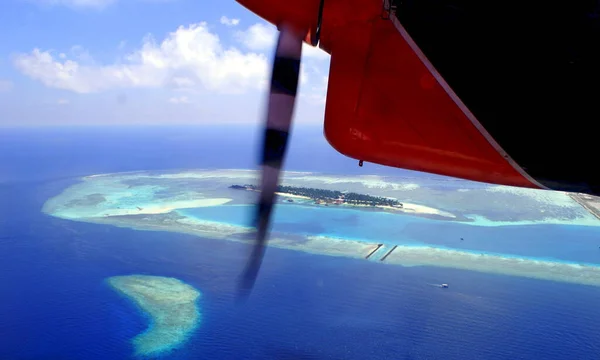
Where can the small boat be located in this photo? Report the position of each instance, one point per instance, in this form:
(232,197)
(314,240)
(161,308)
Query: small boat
(444,286)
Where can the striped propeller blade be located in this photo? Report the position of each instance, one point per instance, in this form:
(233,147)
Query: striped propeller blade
(282,98)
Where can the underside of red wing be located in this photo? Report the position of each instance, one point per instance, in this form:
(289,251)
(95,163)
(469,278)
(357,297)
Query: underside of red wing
(463,88)
(384,106)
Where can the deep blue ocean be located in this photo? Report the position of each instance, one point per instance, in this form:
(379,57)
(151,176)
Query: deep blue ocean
(55,305)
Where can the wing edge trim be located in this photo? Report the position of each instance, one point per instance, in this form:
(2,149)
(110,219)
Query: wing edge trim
(413,45)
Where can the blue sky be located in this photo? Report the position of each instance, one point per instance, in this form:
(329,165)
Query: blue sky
(91,62)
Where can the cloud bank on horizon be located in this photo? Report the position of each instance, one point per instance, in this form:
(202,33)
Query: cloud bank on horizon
(191,73)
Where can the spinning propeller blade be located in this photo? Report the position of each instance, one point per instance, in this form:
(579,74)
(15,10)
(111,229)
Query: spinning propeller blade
(282,98)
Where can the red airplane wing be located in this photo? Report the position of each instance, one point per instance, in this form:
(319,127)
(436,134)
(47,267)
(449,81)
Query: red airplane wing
(388,104)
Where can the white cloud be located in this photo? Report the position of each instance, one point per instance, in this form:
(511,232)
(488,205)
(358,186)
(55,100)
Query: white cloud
(5,85)
(317,93)
(80,54)
(62,102)
(303,74)
(183,82)
(191,52)
(229,22)
(179,100)
(258,37)
(263,36)
(312,52)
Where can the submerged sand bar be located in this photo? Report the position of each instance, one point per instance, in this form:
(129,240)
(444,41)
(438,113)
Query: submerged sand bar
(495,264)
(171,306)
(542,269)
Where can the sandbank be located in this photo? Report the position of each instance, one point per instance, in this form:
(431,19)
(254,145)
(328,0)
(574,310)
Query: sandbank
(171,306)
(164,207)
(292,196)
(585,274)
(419,209)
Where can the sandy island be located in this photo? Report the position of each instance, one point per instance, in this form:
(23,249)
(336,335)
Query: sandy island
(171,306)
(293,196)
(406,207)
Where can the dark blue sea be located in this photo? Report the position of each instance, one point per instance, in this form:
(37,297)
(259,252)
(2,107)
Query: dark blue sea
(54,303)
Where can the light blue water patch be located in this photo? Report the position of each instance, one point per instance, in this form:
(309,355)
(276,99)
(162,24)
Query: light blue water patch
(568,243)
(131,197)
(316,220)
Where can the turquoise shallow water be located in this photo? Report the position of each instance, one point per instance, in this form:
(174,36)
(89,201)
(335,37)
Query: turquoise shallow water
(568,243)
(317,220)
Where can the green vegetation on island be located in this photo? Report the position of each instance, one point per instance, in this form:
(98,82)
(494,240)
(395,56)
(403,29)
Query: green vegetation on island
(171,306)
(329,196)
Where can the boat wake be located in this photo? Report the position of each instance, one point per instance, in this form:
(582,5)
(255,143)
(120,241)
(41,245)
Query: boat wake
(443,286)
